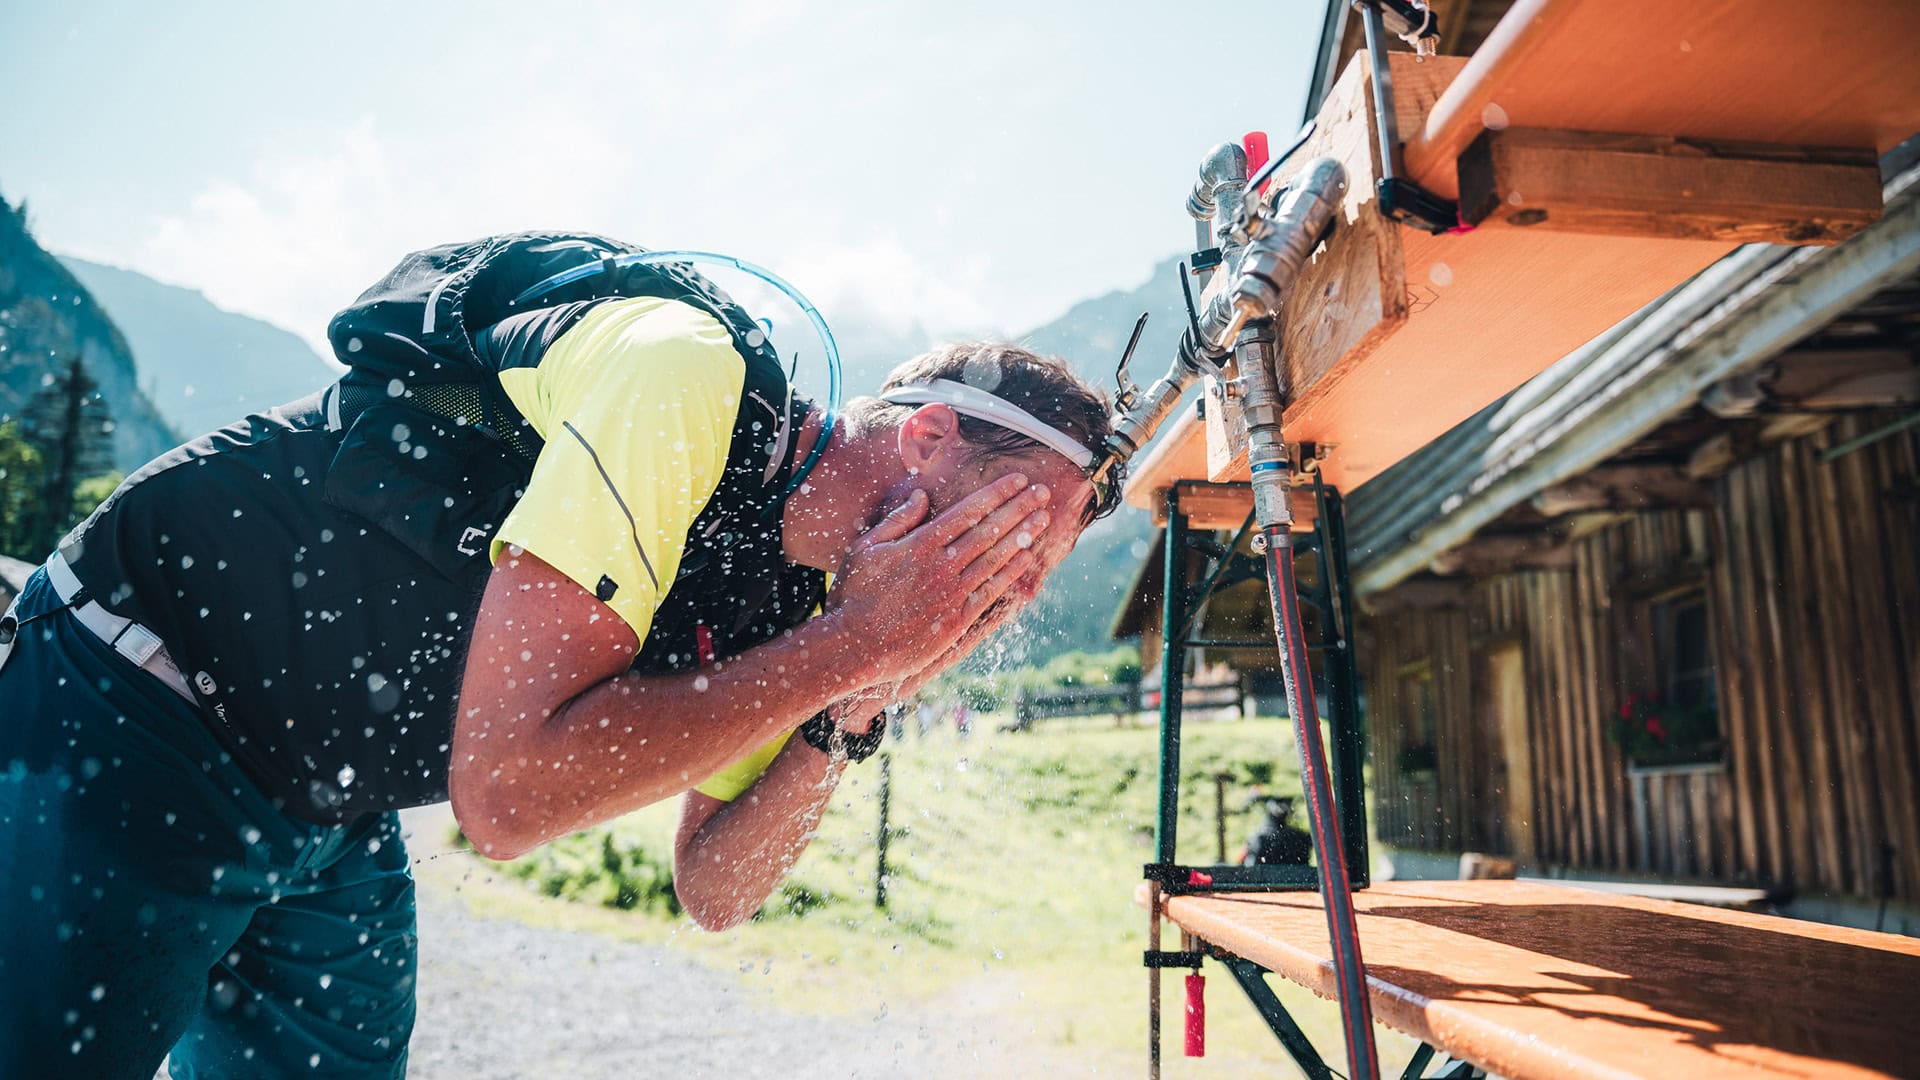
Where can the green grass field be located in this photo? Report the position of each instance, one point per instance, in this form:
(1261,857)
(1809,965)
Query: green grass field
(1010,897)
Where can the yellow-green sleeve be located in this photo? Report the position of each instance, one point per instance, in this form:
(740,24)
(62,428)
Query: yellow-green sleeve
(636,403)
(729,783)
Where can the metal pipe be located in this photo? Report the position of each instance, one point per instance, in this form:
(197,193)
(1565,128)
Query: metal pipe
(1286,238)
(1283,239)
(1257,356)
(1384,121)
(1173,604)
(1218,193)
(1132,427)
(1279,244)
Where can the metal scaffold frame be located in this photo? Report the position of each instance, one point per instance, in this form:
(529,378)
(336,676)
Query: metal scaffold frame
(1334,682)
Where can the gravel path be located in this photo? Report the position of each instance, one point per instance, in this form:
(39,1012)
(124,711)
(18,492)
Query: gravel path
(500,999)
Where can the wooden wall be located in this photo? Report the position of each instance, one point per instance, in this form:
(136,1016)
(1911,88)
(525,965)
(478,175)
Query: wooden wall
(1812,579)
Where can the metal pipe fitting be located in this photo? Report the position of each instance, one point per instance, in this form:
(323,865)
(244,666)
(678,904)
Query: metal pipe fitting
(1132,426)
(1262,403)
(1283,240)
(1217,195)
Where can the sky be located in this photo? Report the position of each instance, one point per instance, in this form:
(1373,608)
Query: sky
(964,169)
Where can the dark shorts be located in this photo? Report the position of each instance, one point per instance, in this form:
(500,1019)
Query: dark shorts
(155,901)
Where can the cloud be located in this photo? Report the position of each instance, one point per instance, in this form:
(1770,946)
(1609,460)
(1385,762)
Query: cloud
(882,280)
(299,236)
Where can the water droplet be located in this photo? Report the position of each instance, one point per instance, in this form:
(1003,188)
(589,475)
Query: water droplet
(98,992)
(1494,117)
(326,981)
(700,683)
(1440,274)
(345,775)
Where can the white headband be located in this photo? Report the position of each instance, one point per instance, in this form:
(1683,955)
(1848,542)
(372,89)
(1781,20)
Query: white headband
(976,402)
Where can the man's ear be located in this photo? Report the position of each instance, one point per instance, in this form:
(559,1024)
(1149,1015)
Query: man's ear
(930,440)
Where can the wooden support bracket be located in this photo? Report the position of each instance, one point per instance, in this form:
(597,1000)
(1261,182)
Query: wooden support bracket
(1226,506)
(1684,189)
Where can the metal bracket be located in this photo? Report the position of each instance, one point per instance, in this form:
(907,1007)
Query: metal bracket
(1160,958)
(1400,199)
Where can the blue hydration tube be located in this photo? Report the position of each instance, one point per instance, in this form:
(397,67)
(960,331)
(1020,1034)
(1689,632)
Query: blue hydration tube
(585,270)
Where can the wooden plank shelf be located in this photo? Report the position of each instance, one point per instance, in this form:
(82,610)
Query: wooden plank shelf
(1530,980)
(1608,149)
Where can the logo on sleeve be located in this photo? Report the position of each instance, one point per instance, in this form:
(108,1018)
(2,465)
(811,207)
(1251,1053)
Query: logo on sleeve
(604,591)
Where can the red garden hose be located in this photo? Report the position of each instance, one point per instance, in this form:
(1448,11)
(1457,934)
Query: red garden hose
(1349,970)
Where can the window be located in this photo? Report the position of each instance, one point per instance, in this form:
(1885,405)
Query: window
(1420,721)
(1683,652)
(1676,721)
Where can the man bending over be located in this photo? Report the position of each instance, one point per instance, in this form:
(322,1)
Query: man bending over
(554,561)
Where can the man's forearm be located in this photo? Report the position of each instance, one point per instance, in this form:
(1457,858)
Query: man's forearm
(634,739)
(735,858)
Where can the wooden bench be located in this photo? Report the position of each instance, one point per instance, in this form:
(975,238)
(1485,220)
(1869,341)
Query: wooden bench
(1529,980)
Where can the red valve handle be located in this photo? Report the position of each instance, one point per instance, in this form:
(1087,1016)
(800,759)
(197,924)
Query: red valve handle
(1196,1015)
(1255,144)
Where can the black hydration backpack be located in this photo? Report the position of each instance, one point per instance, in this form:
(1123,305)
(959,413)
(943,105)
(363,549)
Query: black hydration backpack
(435,454)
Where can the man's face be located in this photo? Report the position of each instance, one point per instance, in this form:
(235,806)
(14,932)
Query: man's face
(1070,501)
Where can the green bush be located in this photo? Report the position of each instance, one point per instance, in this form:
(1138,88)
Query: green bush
(601,867)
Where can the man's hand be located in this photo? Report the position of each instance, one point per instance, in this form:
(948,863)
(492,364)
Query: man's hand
(913,591)
(858,713)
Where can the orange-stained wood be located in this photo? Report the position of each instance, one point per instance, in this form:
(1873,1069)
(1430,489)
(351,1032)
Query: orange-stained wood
(1489,310)
(1226,506)
(1543,982)
(1652,185)
(1372,379)
(1839,73)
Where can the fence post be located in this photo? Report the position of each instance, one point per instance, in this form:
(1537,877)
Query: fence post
(885,833)
(1220,814)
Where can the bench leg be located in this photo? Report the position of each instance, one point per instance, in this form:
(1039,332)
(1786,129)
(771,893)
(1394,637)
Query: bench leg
(1253,979)
(1449,1070)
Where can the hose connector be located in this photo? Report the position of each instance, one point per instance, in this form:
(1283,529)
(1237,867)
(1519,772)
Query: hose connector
(1263,401)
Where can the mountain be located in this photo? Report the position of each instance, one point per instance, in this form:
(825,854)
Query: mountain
(1093,332)
(45,316)
(201,365)
(1080,599)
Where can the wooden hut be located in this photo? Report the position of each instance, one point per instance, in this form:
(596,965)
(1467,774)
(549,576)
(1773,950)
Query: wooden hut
(1656,613)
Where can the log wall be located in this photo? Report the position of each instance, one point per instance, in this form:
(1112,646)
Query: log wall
(1811,574)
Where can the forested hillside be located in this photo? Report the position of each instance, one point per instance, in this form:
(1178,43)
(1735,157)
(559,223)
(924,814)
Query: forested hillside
(46,318)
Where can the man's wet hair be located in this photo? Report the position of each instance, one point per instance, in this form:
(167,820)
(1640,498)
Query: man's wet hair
(1042,385)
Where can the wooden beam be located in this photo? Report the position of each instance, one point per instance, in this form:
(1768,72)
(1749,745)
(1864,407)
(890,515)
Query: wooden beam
(1648,185)
(1816,379)
(1503,553)
(1622,487)
(1715,456)
(1831,73)
(1225,506)
(1420,593)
